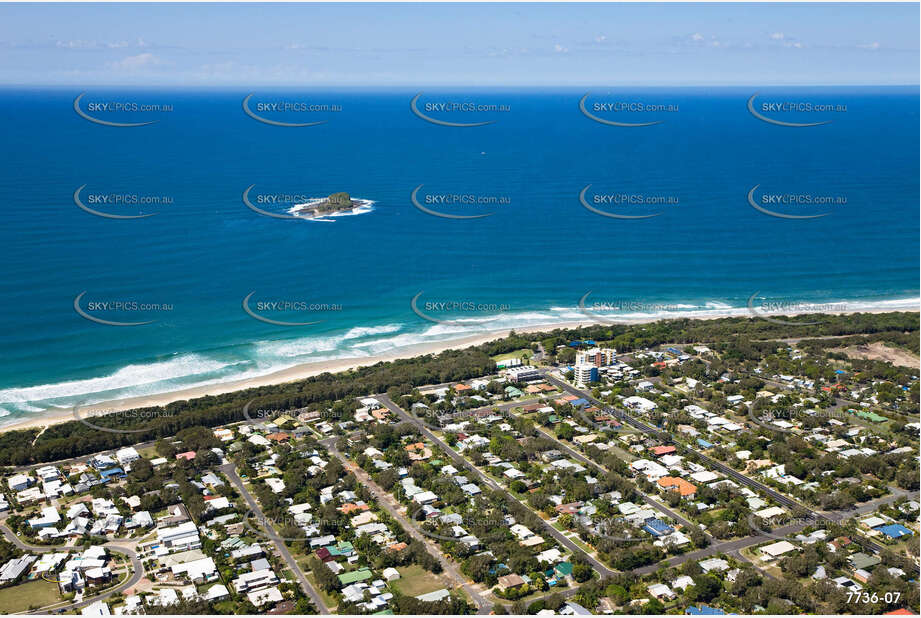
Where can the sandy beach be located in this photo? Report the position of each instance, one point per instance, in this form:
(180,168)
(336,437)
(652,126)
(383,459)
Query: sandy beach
(305,370)
(291,374)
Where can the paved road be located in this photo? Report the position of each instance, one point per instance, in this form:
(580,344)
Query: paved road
(231,472)
(385,500)
(461,460)
(78,459)
(647,498)
(727,470)
(481,411)
(137,569)
(725,547)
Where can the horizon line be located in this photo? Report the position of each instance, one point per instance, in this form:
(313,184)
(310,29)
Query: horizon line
(461,85)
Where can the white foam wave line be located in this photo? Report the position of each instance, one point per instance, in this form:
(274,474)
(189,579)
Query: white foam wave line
(128,376)
(126,392)
(156,378)
(29,408)
(365,331)
(311,345)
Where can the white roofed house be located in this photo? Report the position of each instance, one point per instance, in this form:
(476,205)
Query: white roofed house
(48,474)
(425,497)
(265,596)
(217,503)
(164,598)
(78,526)
(97,576)
(682,583)
(103,507)
(275,484)
(198,571)
(651,469)
(141,519)
(126,456)
(471,489)
(99,608)
(770,512)
(775,550)
(49,562)
(661,592)
(779,474)
(390,574)
(19,482)
(180,538)
(704,477)
(670,461)
(14,568)
(713,564)
(640,404)
(102,461)
(48,518)
(254,580)
(217,592)
(258,440)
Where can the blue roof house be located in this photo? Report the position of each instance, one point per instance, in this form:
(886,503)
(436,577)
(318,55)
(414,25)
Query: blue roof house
(895,531)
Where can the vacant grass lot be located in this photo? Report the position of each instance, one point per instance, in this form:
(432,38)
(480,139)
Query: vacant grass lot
(22,597)
(414,580)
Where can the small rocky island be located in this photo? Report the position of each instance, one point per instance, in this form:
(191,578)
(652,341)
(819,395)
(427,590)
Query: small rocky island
(337,203)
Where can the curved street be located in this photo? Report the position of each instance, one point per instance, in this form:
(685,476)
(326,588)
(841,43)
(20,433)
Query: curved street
(135,574)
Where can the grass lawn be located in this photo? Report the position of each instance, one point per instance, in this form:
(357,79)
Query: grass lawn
(148,453)
(515,354)
(36,593)
(755,558)
(582,544)
(528,599)
(414,580)
(224,607)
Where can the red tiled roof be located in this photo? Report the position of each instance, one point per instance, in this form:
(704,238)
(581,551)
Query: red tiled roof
(679,485)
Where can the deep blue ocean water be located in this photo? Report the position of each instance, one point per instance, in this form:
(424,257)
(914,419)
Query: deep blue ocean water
(538,253)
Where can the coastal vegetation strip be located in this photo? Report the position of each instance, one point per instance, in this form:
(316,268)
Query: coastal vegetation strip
(74,438)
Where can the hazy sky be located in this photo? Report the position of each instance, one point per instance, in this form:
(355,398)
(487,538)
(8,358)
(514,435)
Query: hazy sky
(464,44)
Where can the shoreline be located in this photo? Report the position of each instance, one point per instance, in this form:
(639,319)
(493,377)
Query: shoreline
(306,370)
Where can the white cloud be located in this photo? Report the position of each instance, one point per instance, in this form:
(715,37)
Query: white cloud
(786,40)
(77,44)
(874,45)
(80,44)
(134,63)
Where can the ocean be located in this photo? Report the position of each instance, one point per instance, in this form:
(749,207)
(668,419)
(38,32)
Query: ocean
(712,173)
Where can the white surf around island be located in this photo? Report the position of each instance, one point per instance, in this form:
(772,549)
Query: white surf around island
(305,210)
